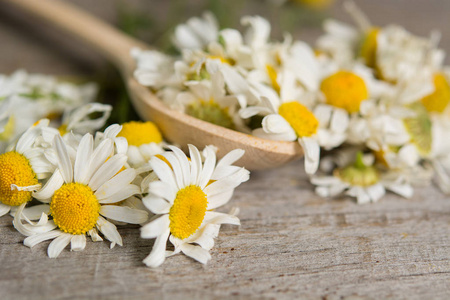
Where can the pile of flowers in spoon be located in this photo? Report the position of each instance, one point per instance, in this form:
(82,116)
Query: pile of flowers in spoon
(372,100)
(65,179)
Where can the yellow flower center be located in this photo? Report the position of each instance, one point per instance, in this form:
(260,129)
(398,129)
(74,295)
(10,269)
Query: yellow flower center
(419,128)
(301,119)
(273,77)
(188,211)
(74,208)
(439,99)
(140,133)
(62,129)
(211,112)
(358,173)
(345,90)
(8,129)
(368,50)
(15,169)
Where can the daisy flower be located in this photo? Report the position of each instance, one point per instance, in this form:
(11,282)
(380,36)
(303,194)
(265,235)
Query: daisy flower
(20,170)
(183,199)
(361,180)
(82,194)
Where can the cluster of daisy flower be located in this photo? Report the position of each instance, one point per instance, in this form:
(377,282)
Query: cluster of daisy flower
(62,179)
(374,100)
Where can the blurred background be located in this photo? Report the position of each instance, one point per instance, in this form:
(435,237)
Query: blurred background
(28,44)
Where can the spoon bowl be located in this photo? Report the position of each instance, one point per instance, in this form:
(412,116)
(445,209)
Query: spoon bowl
(177,128)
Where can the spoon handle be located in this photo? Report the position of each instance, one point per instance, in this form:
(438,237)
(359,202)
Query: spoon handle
(104,38)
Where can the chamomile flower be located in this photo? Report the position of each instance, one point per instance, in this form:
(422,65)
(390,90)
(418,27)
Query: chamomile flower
(20,170)
(82,194)
(361,180)
(183,199)
(144,141)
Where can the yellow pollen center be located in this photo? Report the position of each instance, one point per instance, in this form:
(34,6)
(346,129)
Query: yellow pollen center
(273,77)
(15,169)
(74,208)
(301,119)
(345,90)
(140,133)
(187,212)
(439,99)
(368,50)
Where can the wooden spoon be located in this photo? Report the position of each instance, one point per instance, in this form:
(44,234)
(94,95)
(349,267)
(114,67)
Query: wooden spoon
(176,127)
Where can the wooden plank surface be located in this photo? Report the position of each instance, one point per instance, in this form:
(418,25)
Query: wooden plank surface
(291,242)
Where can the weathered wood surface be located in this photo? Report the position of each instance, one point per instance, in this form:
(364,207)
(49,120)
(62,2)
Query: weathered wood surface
(291,243)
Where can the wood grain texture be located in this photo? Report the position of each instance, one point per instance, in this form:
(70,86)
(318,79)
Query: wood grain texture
(291,244)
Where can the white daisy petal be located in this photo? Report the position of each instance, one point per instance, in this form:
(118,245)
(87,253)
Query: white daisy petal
(163,190)
(64,162)
(110,232)
(115,184)
(84,154)
(155,228)
(312,154)
(58,245)
(4,209)
(124,214)
(208,168)
(213,217)
(184,163)
(231,157)
(196,252)
(107,170)
(219,199)
(94,235)
(122,194)
(33,240)
(227,183)
(100,155)
(78,242)
(196,164)
(163,171)
(53,184)
(156,205)
(158,254)
(375,192)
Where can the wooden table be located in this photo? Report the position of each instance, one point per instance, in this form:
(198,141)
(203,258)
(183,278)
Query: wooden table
(292,243)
